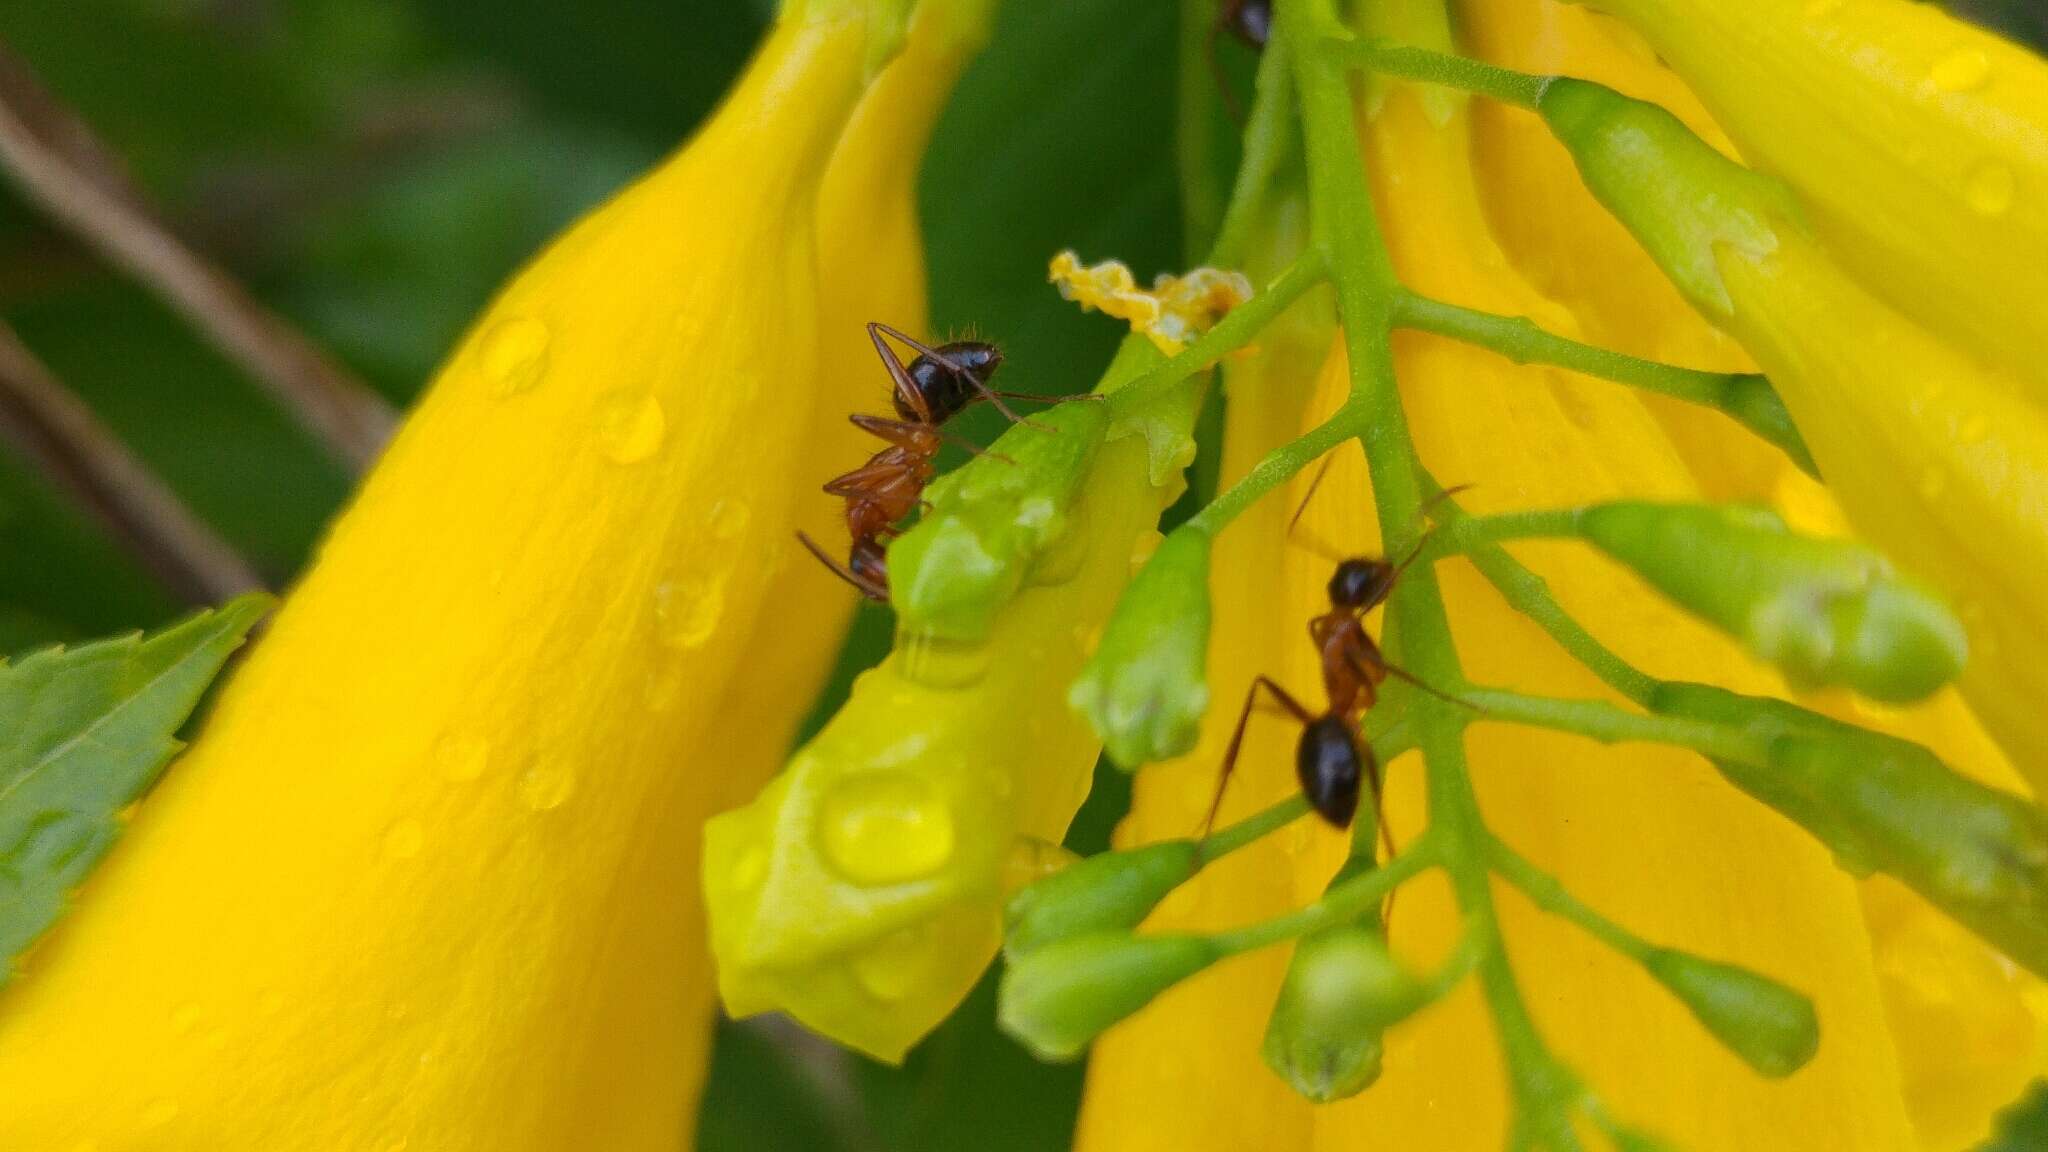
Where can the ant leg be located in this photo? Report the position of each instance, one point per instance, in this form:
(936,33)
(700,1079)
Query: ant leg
(902,433)
(1244,717)
(1423,541)
(906,388)
(868,588)
(1294,535)
(1366,665)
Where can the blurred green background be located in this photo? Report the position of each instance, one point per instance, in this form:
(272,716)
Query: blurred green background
(371,169)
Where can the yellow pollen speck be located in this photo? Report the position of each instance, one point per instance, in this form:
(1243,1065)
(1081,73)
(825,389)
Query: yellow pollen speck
(1173,311)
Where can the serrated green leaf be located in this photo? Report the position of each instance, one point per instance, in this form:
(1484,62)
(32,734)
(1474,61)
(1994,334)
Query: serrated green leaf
(83,731)
(2023,1127)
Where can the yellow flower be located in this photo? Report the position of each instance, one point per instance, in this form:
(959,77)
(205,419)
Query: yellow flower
(1173,311)
(418,882)
(1915,140)
(1707,870)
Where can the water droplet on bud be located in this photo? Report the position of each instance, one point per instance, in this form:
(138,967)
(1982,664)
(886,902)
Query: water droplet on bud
(886,828)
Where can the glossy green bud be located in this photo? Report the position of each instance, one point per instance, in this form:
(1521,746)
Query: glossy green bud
(1057,999)
(1343,990)
(1772,1028)
(1146,687)
(991,521)
(1107,892)
(1680,197)
(1889,805)
(1822,611)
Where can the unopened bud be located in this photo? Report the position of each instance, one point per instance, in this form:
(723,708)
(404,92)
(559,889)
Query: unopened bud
(1769,1026)
(1343,990)
(1145,688)
(1822,611)
(1107,892)
(1057,999)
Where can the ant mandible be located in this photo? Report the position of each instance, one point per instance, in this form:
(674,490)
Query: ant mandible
(1332,759)
(932,390)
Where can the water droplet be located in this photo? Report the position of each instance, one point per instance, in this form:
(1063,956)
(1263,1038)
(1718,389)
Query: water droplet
(886,828)
(513,355)
(630,427)
(664,688)
(161,1112)
(729,519)
(938,663)
(1990,189)
(750,869)
(404,839)
(1932,484)
(1960,70)
(1031,860)
(546,784)
(460,757)
(896,964)
(185,1017)
(687,608)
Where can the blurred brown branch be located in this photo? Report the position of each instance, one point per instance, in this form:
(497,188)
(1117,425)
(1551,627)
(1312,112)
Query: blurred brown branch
(45,422)
(59,163)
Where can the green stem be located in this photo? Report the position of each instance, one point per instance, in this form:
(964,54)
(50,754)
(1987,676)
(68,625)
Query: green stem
(1234,331)
(1201,182)
(1340,905)
(1253,827)
(1268,138)
(1469,533)
(1553,897)
(1275,469)
(1599,720)
(1408,63)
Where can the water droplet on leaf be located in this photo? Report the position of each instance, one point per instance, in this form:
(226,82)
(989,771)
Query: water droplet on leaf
(729,519)
(460,757)
(513,355)
(546,785)
(687,608)
(885,828)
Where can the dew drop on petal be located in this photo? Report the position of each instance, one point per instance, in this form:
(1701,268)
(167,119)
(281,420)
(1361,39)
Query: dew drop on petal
(630,427)
(885,828)
(687,609)
(1960,70)
(896,964)
(513,355)
(546,785)
(403,840)
(1031,860)
(460,757)
(1989,189)
(729,519)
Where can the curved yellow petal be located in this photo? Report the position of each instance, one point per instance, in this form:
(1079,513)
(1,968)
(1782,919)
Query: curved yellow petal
(417,883)
(1918,141)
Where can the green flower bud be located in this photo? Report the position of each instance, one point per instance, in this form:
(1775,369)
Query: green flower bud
(1822,611)
(1884,804)
(1057,999)
(1772,1028)
(990,520)
(1680,197)
(1343,990)
(1107,892)
(1145,689)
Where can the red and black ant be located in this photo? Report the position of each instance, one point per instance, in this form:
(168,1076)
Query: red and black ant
(1332,759)
(1251,23)
(932,390)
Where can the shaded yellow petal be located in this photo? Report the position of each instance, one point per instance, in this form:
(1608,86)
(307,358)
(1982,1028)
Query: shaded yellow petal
(416,883)
(1918,141)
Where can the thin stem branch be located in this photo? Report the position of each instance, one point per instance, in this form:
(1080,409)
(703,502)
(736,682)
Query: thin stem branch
(1553,897)
(1343,903)
(1609,724)
(1253,827)
(1268,138)
(1237,329)
(1275,469)
(51,427)
(1408,63)
(58,162)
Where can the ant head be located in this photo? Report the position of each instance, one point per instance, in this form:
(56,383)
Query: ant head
(1361,583)
(976,357)
(952,376)
(1330,763)
(1249,20)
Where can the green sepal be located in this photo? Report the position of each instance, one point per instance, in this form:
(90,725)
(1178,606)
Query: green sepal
(1822,611)
(1145,688)
(990,520)
(1343,990)
(1107,892)
(83,732)
(1057,999)
(1680,197)
(1769,1026)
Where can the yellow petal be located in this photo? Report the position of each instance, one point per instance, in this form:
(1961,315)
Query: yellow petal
(416,884)
(1919,142)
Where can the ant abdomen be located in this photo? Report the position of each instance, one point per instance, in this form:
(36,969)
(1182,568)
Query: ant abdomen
(1330,764)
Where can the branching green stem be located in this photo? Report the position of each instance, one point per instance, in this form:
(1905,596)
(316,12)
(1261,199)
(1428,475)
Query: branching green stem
(1253,827)
(1554,898)
(1276,468)
(1234,331)
(1599,720)
(1340,905)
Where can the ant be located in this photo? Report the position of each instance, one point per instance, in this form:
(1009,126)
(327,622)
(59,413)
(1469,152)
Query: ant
(1248,21)
(1332,760)
(933,389)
